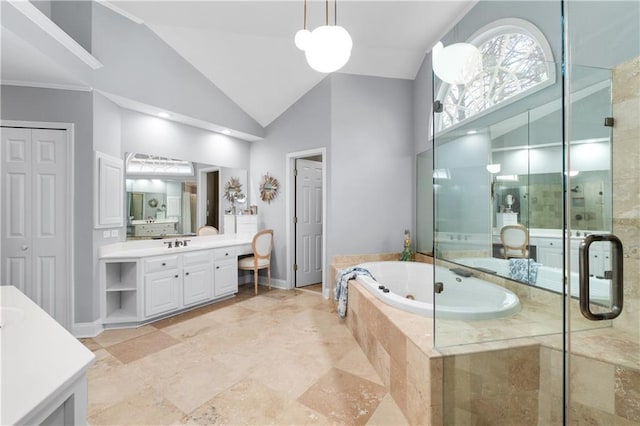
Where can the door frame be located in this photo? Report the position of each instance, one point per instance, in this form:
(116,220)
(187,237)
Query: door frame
(290,211)
(70,141)
(201,193)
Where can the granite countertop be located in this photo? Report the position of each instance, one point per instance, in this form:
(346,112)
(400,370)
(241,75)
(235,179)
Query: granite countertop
(39,357)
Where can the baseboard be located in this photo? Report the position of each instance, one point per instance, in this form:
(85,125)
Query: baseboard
(275,283)
(87,329)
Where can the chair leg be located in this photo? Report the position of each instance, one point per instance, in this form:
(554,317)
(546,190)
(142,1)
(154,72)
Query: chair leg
(269,275)
(255,280)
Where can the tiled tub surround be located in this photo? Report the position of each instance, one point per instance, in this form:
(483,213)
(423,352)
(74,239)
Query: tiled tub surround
(497,381)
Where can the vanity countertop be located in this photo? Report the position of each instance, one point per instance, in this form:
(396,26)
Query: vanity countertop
(145,248)
(39,357)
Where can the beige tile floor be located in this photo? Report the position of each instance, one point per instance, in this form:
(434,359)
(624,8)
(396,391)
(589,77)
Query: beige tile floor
(282,357)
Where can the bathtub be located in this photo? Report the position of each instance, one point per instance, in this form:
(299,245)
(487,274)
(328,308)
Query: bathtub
(548,278)
(410,287)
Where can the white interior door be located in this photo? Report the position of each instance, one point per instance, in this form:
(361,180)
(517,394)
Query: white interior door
(309,222)
(34,226)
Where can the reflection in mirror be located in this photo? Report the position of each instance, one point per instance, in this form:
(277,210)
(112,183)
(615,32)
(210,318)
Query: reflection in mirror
(169,197)
(505,168)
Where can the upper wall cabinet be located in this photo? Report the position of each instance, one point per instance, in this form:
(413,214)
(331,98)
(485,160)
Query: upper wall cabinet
(109,186)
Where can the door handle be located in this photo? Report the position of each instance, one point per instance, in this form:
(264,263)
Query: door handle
(616,277)
(24,247)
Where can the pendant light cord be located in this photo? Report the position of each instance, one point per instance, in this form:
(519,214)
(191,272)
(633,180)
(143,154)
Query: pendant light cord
(326,12)
(304,25)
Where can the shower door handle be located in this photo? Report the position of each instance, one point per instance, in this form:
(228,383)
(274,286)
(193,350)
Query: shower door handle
(616,277)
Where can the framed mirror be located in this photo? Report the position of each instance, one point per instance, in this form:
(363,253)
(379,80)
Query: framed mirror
(269,188)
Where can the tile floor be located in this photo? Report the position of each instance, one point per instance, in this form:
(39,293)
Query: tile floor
(282,357)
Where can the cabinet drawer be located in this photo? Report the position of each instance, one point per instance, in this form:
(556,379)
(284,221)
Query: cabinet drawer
(159,264)
(196,258)
(224,253)
(547,242)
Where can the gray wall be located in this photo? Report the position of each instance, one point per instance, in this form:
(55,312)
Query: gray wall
(372,160)
(140,66)
(74,17)
(305,125)
(366,124)
(33,104)
(154,135)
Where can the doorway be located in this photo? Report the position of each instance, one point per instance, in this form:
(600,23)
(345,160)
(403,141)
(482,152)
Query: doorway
(36,243)
(212,212)
(306,211)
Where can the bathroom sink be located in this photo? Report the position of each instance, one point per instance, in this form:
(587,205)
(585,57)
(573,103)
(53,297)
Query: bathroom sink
(9,316)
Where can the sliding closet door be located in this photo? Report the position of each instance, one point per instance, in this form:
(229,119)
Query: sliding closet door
(34,217)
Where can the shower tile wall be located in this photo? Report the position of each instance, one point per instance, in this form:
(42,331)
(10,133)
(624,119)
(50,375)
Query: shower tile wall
(626,187)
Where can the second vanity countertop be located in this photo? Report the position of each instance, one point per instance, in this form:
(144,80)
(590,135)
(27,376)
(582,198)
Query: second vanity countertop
(145,248)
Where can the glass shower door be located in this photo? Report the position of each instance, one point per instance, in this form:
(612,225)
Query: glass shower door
(603,365)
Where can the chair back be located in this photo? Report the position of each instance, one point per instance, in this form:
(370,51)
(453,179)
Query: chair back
(515,237)
(263,244)
(207,230)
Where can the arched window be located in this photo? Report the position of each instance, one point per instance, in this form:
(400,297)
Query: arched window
(516,59)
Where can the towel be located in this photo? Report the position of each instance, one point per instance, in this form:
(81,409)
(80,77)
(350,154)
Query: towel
(525,270)
(342,278)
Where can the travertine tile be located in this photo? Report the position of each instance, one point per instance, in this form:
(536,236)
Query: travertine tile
(146,408)
(190,328)
(91,344)
(343,397)
(627,393)
(114,387)
(355,362)
(112,337)
(387,414)
(592,383)
(139,347)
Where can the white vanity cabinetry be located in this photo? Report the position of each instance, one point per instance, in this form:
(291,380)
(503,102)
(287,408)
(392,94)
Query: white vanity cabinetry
(226,272)
(139,285)
(198,277)
(154,229)
(241,224)
(549,251)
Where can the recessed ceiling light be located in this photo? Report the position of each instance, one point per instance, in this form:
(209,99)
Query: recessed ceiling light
(225,131)
(164,114)
(472,132)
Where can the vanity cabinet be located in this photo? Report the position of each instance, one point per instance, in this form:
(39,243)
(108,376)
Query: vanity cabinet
(197,277)
(246,224)
(154,229)
(161,292)
(549,251)
(135,290)
(226,272)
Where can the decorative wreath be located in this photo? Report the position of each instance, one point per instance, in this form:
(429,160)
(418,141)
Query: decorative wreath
(269,188)
(232,188)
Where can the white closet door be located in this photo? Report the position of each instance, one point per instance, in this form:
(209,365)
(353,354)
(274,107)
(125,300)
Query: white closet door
(34,225)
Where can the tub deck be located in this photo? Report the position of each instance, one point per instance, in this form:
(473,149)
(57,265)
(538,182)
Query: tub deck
(518,357)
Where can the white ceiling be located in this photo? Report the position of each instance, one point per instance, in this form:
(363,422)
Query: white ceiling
(246,47)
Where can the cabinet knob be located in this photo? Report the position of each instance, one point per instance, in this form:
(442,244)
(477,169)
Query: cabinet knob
(164,264)
(175,276)
(186,273)
(226,254)
(217,267)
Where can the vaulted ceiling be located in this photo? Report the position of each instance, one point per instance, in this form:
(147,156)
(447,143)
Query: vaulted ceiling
(246,48)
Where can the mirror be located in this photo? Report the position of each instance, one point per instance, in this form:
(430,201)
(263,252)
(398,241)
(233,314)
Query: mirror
(168,197)
(505,168)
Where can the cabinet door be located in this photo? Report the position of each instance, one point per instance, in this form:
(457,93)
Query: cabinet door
(198,284)
(550,256)
(226,277)
(161,292)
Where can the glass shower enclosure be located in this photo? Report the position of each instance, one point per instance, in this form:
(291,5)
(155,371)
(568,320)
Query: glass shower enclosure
(536,216)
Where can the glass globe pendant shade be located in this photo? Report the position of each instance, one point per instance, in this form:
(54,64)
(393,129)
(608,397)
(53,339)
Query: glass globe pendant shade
(328,48)
(458,63)
(302,39)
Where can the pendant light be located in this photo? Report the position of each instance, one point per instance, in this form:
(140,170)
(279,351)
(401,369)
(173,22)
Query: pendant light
(458,63)
(328,47)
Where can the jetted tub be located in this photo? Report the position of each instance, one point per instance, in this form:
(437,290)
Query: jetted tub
(548,278)
(410,287)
